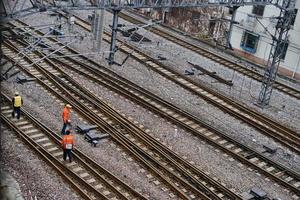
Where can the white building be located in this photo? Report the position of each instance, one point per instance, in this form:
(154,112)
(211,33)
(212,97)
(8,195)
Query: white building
(251,40)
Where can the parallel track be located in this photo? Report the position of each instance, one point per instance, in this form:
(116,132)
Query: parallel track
(211,55)
(184,179)
(221,140)
(89,179)
(244,154)
(265,125)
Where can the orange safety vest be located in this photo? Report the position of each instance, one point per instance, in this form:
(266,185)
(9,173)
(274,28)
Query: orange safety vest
(67,142)
(66,114)
(17,101)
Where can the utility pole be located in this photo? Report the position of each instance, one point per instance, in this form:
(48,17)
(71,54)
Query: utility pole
(97,28)
(280,39)
(113,37)
(1,52)
(233,13)
(30,7)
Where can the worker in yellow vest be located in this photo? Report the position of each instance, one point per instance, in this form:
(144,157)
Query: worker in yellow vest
(17,102)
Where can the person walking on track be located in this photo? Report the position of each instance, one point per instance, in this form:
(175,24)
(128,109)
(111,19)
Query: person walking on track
(66,118)
(17,102)
(67,145)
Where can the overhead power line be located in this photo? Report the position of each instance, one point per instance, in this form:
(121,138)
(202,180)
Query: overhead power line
(19,8)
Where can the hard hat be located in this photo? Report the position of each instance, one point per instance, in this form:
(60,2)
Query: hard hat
(16,93)
(69,106)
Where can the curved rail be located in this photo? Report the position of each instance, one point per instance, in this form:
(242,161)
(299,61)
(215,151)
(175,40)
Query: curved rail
(188,182)
(249,156)
(262,164)
(90,182)
(212,56)
(265,125)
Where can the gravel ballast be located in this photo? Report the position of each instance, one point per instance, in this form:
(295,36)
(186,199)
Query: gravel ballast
(107,153)
(207,158)
(227,170)
(35,177)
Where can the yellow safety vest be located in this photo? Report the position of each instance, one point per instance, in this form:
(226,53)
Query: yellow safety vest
(18,101)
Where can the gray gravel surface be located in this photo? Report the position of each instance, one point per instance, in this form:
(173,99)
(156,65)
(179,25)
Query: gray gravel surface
(283,108)
(108,154)
(209,159)
(203,110)
(205,157)
(35,177)
(203,45)
(245,90)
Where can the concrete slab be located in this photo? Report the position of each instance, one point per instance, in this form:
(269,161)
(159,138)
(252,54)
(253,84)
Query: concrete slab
(83,128)
(9,187)
(258,193)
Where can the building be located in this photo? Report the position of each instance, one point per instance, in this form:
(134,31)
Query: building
(251,39)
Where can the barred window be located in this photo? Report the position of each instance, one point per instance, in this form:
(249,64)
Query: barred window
(294,18)
(284,47)
(249,41)
(258,10)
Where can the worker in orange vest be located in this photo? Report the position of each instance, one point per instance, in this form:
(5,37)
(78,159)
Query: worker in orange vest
(66,118)
(67,144)
(17,102)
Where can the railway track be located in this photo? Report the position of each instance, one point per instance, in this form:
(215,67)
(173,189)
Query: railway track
(221,140)
(265,125)
(88,178)
(184,179)
(169,35)
(244,154)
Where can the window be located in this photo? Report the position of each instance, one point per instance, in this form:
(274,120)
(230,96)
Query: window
(294,18)
(284,46)
(258,10)
(249,41)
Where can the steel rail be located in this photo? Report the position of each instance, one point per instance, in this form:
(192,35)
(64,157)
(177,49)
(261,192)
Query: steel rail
(211,55)
(97,170)
(265,125)
(144,153)
(152,102)
(106,179)
(54,162)
(243,153)
(251,155)
(138,153)
(227,144)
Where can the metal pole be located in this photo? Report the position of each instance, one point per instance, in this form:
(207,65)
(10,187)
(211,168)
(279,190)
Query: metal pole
(228,44)
(113,37)
(97,26)
(1,41)
(99,40)
(43,5)
(280,39)
(1,55)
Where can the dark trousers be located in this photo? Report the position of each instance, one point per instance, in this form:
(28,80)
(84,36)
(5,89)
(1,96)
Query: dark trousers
(68,152)
(18,111)
(63,130)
